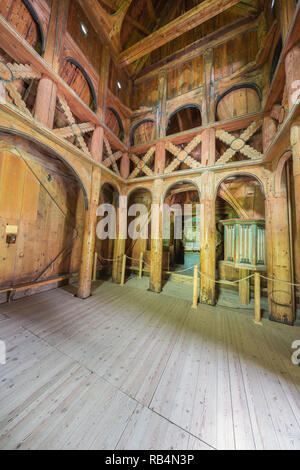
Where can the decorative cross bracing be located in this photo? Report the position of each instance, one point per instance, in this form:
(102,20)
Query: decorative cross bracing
(183,155)
(239,144)
(142,163)
(111,160)
(75,129)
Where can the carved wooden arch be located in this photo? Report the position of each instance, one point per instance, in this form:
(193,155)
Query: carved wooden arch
(251,86)
(185,106)
(174,183)
(279,171)
(38,22)
(50,150)
(136,126)
(88,80)
(117,116)
(138,188)
(240,173)
(114,185)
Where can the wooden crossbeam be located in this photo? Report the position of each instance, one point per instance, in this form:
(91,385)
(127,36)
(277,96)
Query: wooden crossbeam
(189,20)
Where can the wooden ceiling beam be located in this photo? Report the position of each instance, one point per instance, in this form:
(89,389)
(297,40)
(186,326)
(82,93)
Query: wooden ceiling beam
(189,20)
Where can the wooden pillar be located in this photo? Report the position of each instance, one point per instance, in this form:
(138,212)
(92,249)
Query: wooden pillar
(244,287)
(292,72)
(161,118)
(269,132)
(207,239)
(160,158)
(47,90)
(208,100)
(208,152)
(103,82)
(97,143)
(120,241)
(88,244)
(295,142)
(125,166)
(279,259)
(156,239)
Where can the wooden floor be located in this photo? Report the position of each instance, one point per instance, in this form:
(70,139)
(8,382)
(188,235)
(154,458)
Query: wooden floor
(129,369)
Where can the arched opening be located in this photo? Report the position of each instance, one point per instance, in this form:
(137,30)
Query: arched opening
(238,101)
(185,118)
(114,122)
(77,78)
(143,132)
(240,240)
(107,231)
(139,228)
(181,228)
(43,216)
(21,15)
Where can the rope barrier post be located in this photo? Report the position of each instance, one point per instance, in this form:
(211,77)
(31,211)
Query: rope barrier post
(257,318)
(244,287)
(141,265)
(195,288)
(123,270)
(95,266)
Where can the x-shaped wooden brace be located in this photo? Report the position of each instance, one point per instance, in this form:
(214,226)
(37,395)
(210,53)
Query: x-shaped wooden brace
(9,73)
(142,163)
(74,127)
(112,158)
(183,155)
(66,132)
(239,144)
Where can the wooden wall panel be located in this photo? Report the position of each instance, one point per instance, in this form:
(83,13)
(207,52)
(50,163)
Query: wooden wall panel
(231,56)
(116,76)
(186,77)
(73,76)
(90,44)
(145,94)
(16,13)
(46,205)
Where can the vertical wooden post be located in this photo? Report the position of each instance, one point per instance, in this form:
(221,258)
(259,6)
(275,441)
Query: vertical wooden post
(295,141)
(141,265)
(88,244)
(195,287)
(208,101)
(208,153)
(279,259)
(208,239)
(125,166)
(97,143)
(244,287)
(120,241)
(257,298)
(123,272)
(292,73)
(161,110)
(287,9)
(269,132)
(95,266)
(160,158)
(47,90)
(155,284)
(103,82)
